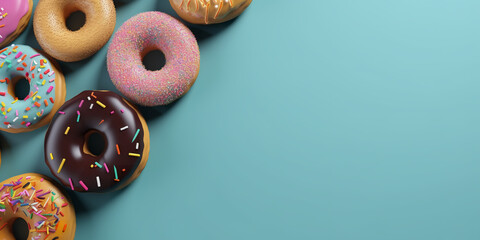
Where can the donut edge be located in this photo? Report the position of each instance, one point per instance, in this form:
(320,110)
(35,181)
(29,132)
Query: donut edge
(146,149)
(22,25)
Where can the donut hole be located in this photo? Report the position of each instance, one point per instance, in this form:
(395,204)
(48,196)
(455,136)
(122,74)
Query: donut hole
(153,59)
(19,88)
(76,20)
(95,143)
(20,229)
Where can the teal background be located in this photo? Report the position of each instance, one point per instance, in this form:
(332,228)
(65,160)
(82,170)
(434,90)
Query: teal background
(312,119)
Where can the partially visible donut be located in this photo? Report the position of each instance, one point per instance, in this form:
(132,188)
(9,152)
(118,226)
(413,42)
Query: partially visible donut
(126,137)
(47,89)
(141,34)
(14,18)
(209,11)
(49,24)
(37,200)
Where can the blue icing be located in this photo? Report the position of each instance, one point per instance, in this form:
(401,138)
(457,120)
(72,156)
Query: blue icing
(33,108)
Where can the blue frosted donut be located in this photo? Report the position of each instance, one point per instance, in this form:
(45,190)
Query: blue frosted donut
(47,89)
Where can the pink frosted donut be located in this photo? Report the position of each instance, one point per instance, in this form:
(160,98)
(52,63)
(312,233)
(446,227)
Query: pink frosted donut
(141,34)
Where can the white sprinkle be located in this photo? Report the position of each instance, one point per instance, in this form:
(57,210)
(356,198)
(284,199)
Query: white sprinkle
(40,226)
(51,73)
(35,62)
(19,60)
(98,181)
(9,126)
(91,106)
(123,128)
(48,199)
(89,98)
(136,147)
(39,70)
(15,119)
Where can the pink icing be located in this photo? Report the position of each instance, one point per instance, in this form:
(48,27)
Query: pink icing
(15,10)
(158,31)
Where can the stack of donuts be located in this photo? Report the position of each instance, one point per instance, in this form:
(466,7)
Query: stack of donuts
(40,200)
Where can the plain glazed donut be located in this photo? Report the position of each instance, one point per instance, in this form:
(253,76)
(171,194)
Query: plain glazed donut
(209,11)
(49,24)
(141,34)
(126,137)
(47,89)
(34,198)
(14,18)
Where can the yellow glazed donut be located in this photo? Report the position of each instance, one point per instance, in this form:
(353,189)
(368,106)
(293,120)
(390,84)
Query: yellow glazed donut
(49,24)
(34,198)
(209,11)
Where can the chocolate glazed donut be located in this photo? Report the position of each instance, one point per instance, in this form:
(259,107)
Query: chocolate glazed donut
(124,131)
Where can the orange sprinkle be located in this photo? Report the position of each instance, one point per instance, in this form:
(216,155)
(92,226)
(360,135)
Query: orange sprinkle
(64,226)
(46,102)
(31,69)
(5,49)
(27,109)
(19,69)
(23,58)
(101,122)
(93,95)
(118,149)
(37,104)
(24,64)
(51,100)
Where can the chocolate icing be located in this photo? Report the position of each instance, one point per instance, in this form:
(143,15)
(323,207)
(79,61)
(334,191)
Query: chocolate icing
(78,162)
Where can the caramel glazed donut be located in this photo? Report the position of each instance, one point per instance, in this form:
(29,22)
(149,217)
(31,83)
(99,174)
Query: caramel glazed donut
(49,25)
(209,11)
(35,199)
(126,137)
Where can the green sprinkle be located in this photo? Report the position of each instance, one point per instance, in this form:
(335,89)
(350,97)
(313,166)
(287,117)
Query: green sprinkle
(78,118)
(115,170)
(98,164)
(136,134)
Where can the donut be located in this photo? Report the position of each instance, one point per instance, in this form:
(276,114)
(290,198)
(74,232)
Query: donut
(47,89)
(126,137)
(14,18)
(34,198)
(49,25)
(209,11)
(138,36)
